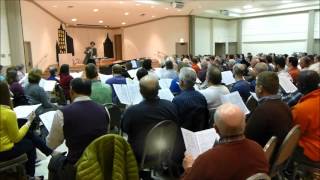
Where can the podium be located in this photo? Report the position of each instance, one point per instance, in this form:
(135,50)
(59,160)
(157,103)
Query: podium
(66,59)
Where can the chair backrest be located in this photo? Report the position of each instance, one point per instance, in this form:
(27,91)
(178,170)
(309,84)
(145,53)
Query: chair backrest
(270,147)
(251,103)
(115,115)
(259,176)
(159,145)
(211,117)
(286,149)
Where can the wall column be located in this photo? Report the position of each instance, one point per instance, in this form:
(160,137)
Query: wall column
(310,38)
(239,36)
(191,35)
(14,20)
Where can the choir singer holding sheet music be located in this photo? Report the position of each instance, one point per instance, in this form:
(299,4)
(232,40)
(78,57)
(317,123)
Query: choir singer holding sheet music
(223,160)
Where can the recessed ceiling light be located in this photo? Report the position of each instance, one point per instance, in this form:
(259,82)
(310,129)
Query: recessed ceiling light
(126,13)
(121,2)
(137,4)
(74,19)
(247,6)
(95,10)
(179,10)
(153,16)
(152,6)
(100,21)
(55,6)
(286,1)
(166,8)
(123,23)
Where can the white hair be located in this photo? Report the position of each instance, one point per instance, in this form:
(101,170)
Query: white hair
(188,76)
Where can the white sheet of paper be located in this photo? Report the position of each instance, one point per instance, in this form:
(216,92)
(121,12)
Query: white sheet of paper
(206,139)
(134,64)
(227,77)
(158,71)
(47,85)
(190,142)
(235,98)
(287,85)
(198,81)
(24,111)
(166,94)
(121,92)
(165,83)
(254,95)
(76,74)
(47,119)
(104,78)
(134,93)
(133,72)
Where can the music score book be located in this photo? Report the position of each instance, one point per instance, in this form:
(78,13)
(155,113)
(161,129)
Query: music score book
(235,98)
(23,112)
(199,142)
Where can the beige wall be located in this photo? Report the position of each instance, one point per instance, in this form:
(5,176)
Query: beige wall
(42,31)
(155,38)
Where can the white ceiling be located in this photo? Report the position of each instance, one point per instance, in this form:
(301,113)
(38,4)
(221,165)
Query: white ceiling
(112,12)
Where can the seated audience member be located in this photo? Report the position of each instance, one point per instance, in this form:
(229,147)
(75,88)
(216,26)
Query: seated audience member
(305,62)
(191,104)
(169,72)
(35,93)
(293,68)
(222,161)
(147,64)
(19,97)
(101,93)
(116,79)
(13,142)
(139,119)
(203,72)
(241,85)
(215,88)
(65,79)
(20,71)
(306,113)
(141,73)
(258,68)
(78,124)
(195,66)
(280,64)
(174,86)
(272,117)
(53,76)
(316,65)
(1,75)
(269,62)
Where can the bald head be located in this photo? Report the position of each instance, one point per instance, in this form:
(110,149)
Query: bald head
(230,120)
(149,87)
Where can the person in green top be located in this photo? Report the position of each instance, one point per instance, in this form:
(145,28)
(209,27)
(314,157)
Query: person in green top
(100,93)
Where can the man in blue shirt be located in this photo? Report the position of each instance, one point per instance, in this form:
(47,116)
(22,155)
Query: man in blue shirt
(116,79)
(241,85)
(191,104)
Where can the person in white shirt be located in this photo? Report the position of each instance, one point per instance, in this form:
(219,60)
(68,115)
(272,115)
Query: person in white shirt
(215,88)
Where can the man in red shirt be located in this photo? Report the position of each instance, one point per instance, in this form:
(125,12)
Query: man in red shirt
(234,157)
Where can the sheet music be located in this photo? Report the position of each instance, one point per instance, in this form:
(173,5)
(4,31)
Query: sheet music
(24,111)
(158,71)
(198,81)
(235,98)
(128,94)
(47,119)
(206,139)
(166,94)
(132,81)
(287,85)
(134,64)
(165,83)
(76,74)
(190,142)
(104,78)
(227,77)
(254,95)
(47,85)
(133,72)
